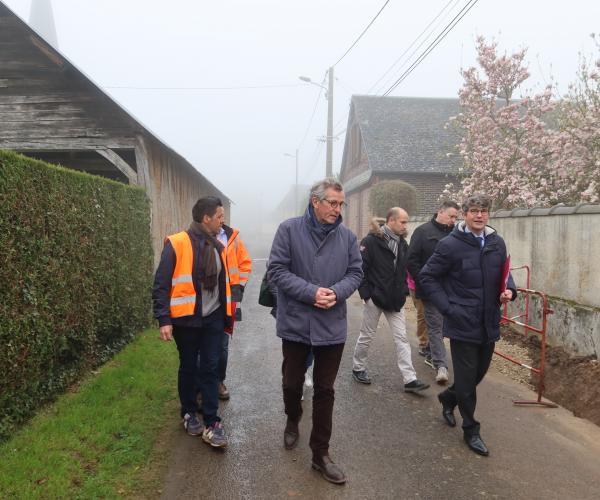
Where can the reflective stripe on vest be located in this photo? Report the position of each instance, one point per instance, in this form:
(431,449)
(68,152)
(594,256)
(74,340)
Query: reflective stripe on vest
(185,278)
(183,293)
(176,301)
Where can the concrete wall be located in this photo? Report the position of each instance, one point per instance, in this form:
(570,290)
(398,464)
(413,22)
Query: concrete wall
(562,246)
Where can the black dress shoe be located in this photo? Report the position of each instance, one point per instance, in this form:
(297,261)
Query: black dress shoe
(415,386)
(290,435)
(447,413)
(330,471)
(476,444)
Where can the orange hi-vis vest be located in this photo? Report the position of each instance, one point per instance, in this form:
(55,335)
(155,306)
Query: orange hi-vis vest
(183,292)
(239,263)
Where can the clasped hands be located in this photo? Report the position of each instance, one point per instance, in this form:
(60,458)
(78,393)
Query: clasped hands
(325,298)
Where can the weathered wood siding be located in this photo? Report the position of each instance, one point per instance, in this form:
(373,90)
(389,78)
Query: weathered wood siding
(175,189)
(48,105)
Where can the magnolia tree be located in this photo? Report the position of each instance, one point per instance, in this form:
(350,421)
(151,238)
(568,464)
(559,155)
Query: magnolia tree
(508,149)
(578,140)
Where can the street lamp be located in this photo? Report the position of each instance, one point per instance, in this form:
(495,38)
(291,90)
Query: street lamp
(329,137)
(308,80)
(296,184)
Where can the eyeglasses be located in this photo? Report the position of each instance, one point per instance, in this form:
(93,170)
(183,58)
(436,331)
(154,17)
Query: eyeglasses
(477,211)
(335,204)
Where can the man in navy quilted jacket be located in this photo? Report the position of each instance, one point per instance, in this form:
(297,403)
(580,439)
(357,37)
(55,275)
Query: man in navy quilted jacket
(463,280)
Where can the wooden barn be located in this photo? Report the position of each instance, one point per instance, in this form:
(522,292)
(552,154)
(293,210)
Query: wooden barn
(50,110)
(403,138)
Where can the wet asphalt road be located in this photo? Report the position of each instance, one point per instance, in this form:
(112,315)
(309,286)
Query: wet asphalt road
(390,444)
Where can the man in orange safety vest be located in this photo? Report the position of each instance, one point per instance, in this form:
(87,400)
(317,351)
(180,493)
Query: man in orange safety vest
(193,304)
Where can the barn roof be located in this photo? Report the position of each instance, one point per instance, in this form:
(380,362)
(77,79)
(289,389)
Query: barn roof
(62,61)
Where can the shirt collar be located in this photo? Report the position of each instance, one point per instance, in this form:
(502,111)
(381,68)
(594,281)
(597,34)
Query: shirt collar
(482,235)
(222,237)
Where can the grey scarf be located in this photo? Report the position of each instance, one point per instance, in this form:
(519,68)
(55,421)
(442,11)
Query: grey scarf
(393,240)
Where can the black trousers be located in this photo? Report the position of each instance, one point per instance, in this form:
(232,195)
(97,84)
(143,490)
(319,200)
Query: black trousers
(471,362)
(326,365)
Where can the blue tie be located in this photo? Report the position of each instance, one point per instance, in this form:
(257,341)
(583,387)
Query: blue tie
(481,241)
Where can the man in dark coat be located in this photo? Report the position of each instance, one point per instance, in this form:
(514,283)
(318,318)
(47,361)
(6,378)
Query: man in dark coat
(422,244)
(384,290)
(463,279)
(315,265)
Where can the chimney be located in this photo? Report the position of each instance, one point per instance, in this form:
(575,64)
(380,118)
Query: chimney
(41,19)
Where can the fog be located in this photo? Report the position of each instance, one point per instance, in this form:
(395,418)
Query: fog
(189,69)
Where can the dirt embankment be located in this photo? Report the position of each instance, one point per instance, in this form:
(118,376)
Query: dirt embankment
(571,381)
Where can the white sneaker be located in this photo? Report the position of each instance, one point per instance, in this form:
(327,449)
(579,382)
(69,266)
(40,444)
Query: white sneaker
(442,375)
(308,380)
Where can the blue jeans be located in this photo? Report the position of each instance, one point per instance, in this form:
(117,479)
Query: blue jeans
(222,366)
(207,342)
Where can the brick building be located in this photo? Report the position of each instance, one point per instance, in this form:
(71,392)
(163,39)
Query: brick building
(399,138)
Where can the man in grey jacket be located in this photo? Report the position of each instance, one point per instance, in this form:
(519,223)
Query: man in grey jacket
(315,265)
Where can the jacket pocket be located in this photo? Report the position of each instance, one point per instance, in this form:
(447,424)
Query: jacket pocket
(464,318)
(293,309)
(341,310)
(464,301)
(493,316)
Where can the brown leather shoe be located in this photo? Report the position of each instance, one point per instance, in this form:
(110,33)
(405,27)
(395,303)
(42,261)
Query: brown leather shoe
(223,392)
(290,435)
(329,470)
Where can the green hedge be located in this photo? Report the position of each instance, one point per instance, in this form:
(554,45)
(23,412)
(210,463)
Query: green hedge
(75,278)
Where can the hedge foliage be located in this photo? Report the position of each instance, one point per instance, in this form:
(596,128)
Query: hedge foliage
(75,278)
(387,194)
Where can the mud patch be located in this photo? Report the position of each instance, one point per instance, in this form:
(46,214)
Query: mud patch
(570,381)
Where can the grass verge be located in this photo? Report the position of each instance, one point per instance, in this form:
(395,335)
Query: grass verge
(98,441)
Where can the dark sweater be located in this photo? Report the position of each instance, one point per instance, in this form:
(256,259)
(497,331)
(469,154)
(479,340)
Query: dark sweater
(422,244)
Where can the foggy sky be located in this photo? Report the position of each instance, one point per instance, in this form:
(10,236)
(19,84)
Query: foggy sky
(238,138)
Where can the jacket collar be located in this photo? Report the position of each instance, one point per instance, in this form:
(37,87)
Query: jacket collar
(441,227)
(376,227)
(322,229)
(486,231)
(460,233)
(230,232)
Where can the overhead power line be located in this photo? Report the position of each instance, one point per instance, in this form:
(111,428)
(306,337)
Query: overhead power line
(314,161)
(412,44)
(449,27)
(312,116)
(363,32)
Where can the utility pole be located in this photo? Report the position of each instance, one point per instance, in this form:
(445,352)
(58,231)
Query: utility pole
(329,136)
(329,161)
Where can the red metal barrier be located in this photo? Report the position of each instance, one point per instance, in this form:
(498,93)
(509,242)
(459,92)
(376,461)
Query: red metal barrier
(542,333)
